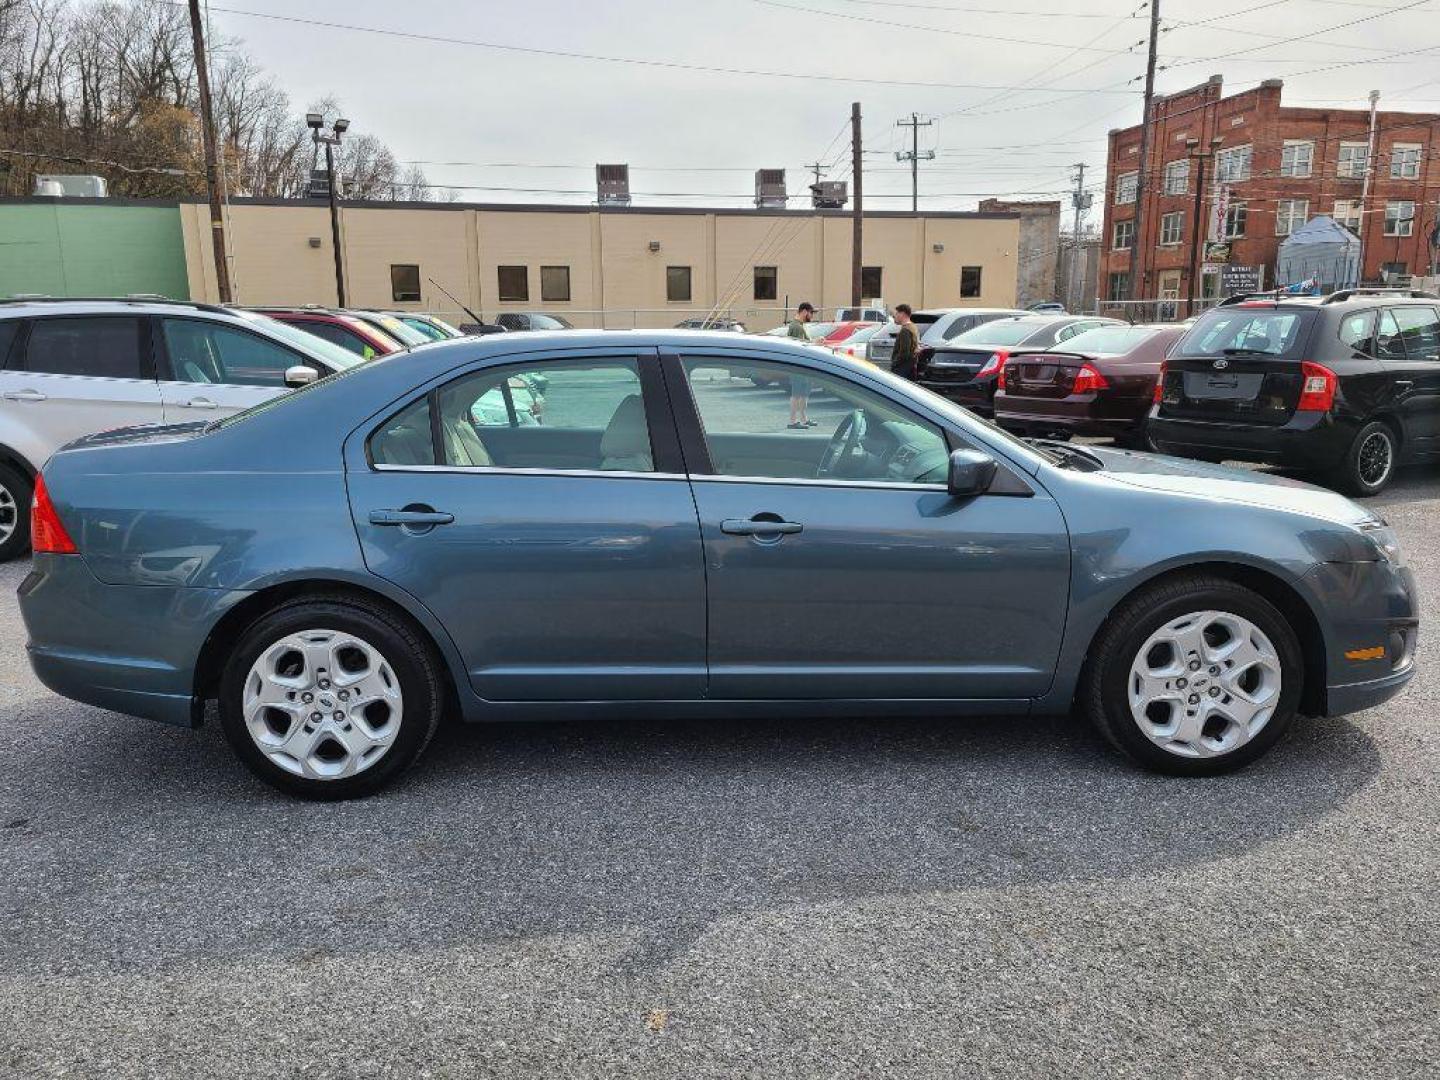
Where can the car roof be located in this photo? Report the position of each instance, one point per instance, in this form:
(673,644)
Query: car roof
(30,306)
(966,311)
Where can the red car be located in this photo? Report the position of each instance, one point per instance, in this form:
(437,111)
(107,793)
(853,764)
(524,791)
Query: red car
(356,335)
(841,331)
(1100,382)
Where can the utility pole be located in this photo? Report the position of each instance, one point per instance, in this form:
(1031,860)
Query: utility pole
(857,208)
(1365,188)
(913,156)
(212,169)
(1081,202)
(818,169)
(315,122)
(1145,124)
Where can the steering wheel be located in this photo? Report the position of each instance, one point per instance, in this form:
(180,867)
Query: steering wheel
(843,443)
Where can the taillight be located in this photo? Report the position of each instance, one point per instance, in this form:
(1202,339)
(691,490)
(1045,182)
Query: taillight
(1160,382)
(1318,392)
(1088,380)
(47,532)
(994,364)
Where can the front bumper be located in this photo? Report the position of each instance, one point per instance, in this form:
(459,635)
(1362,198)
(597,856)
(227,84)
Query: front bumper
(1373,627)
(129,648)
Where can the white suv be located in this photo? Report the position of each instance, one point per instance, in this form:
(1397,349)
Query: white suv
(74,367)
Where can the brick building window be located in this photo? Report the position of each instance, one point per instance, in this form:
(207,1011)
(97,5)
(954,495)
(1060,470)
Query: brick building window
(1235,215)
(1352,160)
(1126,187)
(1119,286)
(870,282)
(1290,214)
(1124,235)
(514,282)
(1400,218)
(1233,166)
(677,283)
(1171,228)
(555,283)
(404,282)
(1405,161)
(969,282)
(1177,177)
(1347,213)
(1297,158)
(767,282)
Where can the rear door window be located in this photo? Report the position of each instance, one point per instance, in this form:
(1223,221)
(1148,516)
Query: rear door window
(1420,332)
(1357,332)
(106,347)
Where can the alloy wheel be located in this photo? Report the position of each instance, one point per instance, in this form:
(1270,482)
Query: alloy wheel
(9,514)
(322,704)
(1376,458)
(1205,684)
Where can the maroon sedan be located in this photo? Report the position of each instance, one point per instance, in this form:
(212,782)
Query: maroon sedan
(1101,382)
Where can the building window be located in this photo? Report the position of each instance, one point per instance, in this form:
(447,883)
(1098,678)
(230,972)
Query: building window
(1405,161)
(1235,215)
(555,283)
(1297,158)
(514,283)
(1347,213)
(1119,286)
(1126,186)
(1177,177)
(1391,270)
(1124,235)
(1171,228)
(767,282)
(1290,214)
(969,282)
(1233,166)
(1353,158)
(677,283)
(404,283)
(870,279)
(1399,218)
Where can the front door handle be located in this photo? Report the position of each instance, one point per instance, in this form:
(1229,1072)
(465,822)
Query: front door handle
(24,395)
(199,403)
(412,518)
(759,527)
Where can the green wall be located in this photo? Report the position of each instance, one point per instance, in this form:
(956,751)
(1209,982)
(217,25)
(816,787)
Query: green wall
(91,249)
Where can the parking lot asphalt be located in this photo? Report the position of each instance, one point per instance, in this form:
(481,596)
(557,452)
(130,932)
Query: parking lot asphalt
(849,898)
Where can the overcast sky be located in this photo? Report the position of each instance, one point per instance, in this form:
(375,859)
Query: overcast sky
(1056,83)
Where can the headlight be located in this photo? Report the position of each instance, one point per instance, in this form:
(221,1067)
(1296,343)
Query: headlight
(1385,540)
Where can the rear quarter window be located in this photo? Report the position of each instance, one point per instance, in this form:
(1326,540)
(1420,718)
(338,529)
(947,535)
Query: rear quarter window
(105,346)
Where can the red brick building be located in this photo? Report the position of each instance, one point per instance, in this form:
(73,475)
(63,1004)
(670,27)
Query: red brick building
(1272,169)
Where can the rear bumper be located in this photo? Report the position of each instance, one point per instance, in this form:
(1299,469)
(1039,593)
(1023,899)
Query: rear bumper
(1087,415)
(1309,441)
(977,395)
(128,648)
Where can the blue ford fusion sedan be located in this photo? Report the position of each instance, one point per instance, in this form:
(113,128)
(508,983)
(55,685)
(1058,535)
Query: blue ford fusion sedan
(640,529)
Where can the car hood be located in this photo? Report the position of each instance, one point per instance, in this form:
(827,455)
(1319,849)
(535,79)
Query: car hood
(1181,476)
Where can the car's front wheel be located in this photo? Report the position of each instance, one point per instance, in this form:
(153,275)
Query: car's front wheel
(329,698)
(15,493)
(1194,676)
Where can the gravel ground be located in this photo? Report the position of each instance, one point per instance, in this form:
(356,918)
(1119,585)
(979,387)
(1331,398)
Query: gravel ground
(768,899)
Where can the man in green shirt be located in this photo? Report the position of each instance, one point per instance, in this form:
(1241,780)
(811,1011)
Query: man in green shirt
(904,358)
(799,386)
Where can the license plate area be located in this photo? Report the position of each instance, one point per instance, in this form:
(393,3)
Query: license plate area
(1218,386)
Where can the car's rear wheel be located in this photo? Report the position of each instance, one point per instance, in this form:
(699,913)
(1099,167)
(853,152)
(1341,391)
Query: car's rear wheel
(15,492)
(330,699)
(1194,677)
(1369,464)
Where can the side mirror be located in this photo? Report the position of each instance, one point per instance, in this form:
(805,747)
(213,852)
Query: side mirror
(300,375)
(971,473)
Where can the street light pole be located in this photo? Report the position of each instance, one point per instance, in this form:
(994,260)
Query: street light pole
(316,123)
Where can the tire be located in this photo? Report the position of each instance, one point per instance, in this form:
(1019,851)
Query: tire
(1109,690)
(1361,473)
(15,493)
(1138,438)
(330,632)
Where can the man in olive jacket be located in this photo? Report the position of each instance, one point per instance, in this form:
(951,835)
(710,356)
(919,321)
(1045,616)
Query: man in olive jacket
(904,358)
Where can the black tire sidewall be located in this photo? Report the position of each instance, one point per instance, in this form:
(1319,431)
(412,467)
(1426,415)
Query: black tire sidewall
(1114,673)
(20,487)
(1351,479)
(413,667)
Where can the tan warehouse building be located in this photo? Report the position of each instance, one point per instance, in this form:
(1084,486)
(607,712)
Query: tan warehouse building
(616,267)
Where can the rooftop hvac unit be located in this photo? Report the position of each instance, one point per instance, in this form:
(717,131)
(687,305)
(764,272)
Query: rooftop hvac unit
(71,187)
(770,188)
(830,194)
(612,184)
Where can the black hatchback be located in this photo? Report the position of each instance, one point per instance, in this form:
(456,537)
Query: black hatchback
(1347,386)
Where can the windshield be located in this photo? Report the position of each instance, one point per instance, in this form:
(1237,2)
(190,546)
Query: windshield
(1228,331)
(433,333)
(406,335)
(1111,340)
(549,322)
(332,354)
(448,328)
(1000,332)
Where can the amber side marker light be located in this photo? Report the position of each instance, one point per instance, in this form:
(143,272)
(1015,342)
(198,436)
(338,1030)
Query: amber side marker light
(1377,653)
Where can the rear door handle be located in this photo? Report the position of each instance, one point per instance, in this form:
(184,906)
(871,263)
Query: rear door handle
(410,517)
(199,403)
(752,527)
(24,395)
